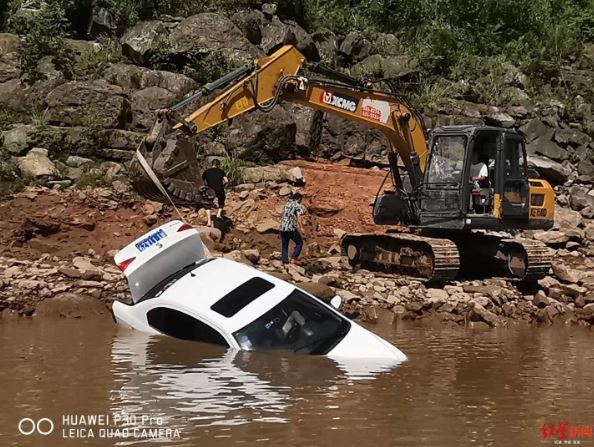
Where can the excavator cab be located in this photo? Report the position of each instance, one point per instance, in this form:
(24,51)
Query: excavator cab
(477,178)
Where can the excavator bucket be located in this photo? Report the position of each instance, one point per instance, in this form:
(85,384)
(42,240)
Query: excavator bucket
(174,162)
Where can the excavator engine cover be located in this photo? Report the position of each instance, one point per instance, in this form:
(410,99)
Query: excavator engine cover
(177,167)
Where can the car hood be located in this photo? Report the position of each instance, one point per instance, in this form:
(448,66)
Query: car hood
(361,343)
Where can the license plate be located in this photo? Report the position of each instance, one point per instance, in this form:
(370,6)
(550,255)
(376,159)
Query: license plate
(151,240)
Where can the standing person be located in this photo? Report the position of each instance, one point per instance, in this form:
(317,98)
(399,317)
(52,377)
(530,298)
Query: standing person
(291,228)
(215,179)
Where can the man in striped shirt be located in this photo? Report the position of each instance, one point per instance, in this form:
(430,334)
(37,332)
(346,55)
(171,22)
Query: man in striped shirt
(291,228)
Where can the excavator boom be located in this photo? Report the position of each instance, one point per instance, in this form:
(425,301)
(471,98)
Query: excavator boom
(261,86)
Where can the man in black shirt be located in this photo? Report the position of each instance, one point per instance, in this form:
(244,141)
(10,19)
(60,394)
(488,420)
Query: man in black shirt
(216,180)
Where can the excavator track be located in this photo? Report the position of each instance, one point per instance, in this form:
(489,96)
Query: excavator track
(440,259)
(432,258)
(533,262)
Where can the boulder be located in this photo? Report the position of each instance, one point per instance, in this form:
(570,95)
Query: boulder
(250,22)
(132,77)
(567,219)
(327,45)
(553,238)
(550,170)
(146,102)
(75,161)
(586,169)
(269,9)
(540,299)
(70,305)
(392,67)
(579,198)
(262,174)
(479,313)
(102,21)
(437,295)
(252,255)
(548,149)
(535,129)
(264,137)
(267,226)
(275,34)
(37,164)
(9,43)
(319,290)
(142,40)
(9,61)
(205,33)
(355,46)
(18,139)
(88,103)
(589,232)
(565,273)
(501,119)
(387,44)
(571,137)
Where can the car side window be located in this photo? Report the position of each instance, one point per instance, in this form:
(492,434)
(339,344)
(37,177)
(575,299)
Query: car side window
(180,325)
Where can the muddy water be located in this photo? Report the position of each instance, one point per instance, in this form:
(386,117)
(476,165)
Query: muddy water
(459,387)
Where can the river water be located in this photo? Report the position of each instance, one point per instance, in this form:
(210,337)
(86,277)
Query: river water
(459,387)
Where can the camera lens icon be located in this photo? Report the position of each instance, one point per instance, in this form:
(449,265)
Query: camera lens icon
(43,426)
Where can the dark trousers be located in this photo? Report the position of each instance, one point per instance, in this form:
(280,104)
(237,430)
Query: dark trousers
(287,236)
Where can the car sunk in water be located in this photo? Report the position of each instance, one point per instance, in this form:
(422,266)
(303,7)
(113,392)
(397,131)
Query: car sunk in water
(178,291)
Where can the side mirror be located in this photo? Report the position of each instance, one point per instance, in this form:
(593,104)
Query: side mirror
(336,302)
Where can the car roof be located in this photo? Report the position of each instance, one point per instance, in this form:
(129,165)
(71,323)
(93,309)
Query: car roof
(199,289)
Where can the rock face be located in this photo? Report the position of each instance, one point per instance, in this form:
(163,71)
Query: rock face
(93,103)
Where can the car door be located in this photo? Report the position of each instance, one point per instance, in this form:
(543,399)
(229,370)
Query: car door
(512,184)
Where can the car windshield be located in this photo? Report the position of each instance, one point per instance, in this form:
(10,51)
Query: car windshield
(298,323)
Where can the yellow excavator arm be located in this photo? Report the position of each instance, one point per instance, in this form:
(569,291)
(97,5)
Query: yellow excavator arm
(261,86)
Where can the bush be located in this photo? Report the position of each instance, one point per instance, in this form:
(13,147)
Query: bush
(43,35)
(233,167)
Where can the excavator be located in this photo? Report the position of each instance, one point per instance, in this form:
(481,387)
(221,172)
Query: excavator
(456,192)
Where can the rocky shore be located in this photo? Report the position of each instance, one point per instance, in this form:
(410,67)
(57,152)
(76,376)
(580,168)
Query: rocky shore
(78,280)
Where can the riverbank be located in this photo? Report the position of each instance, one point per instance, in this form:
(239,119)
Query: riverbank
(58,246)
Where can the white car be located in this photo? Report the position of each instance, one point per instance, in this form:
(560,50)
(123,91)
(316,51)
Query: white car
(180,292)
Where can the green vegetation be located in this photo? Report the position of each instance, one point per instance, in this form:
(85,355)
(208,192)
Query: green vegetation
(10,181)
(480,41)
(233,167)
(9,117)
(93,61)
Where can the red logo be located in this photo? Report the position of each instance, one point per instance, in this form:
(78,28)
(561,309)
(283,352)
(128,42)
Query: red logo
(565,433)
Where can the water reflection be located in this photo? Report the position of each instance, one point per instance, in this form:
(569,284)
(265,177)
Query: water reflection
(211,386)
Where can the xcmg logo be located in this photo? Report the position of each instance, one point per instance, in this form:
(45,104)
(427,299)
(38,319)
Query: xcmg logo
(43,426)
(339,101)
